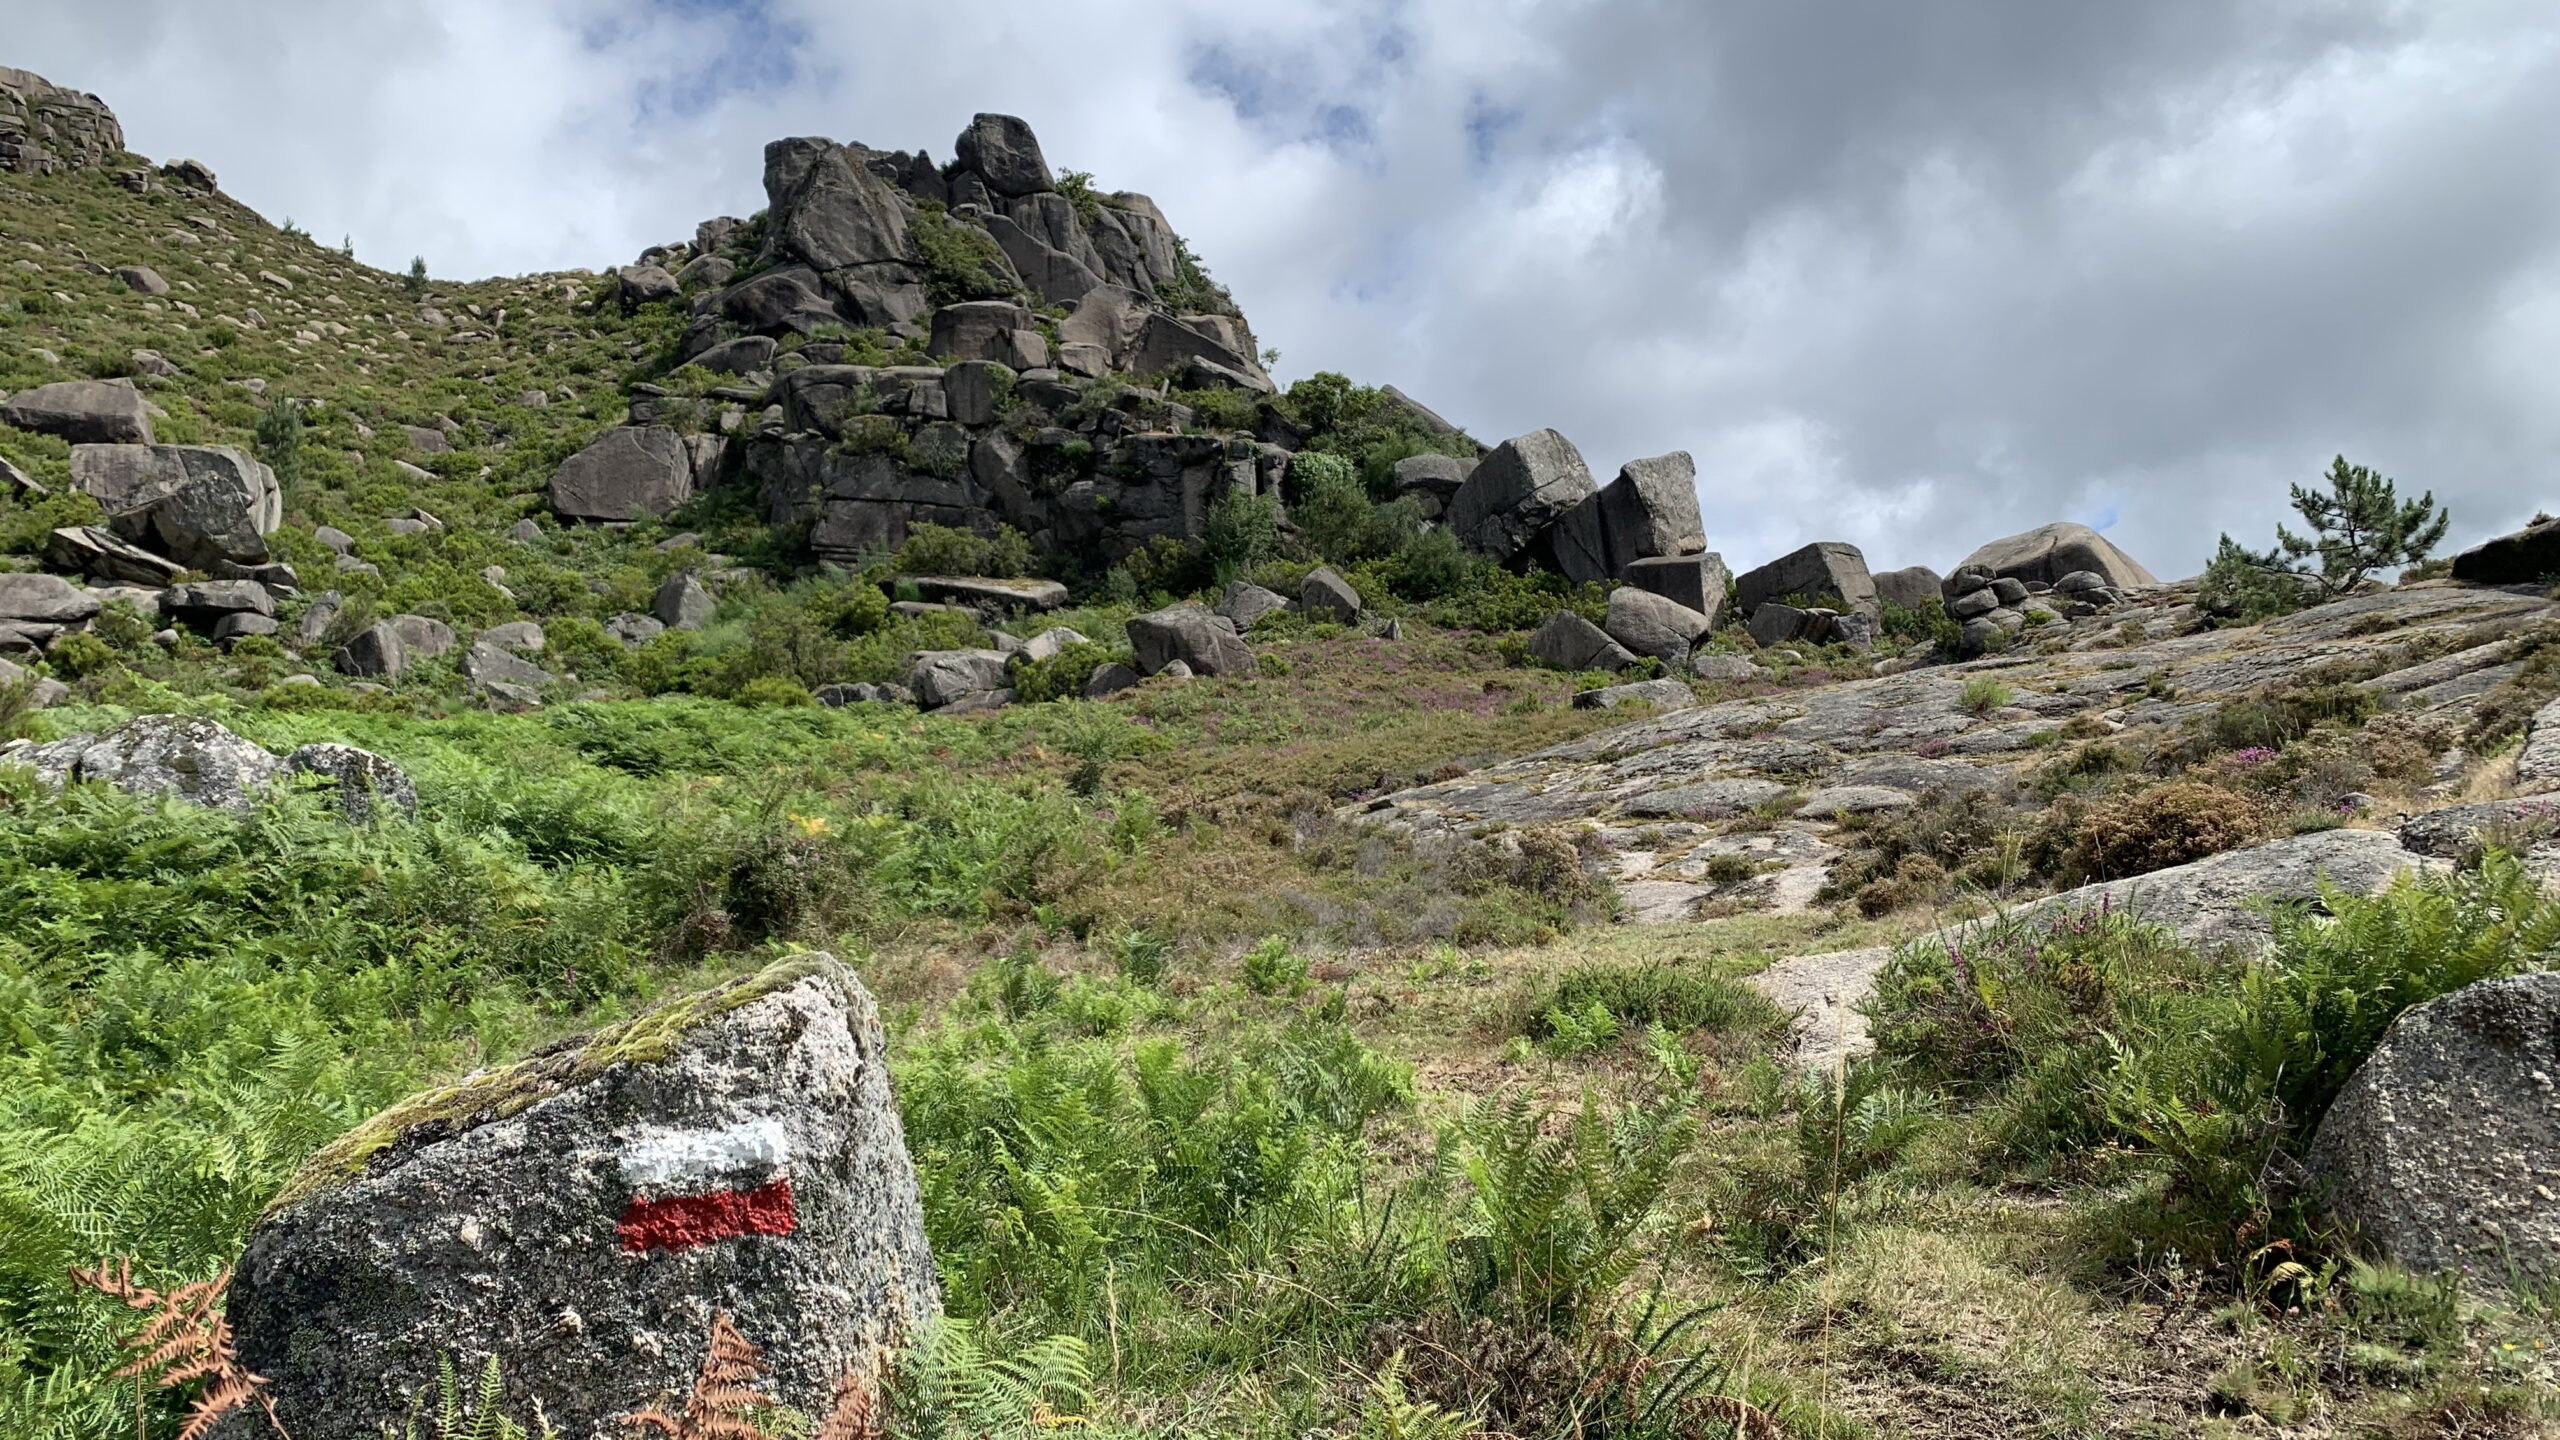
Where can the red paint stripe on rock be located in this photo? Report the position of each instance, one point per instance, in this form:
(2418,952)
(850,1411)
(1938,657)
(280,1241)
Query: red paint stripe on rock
(681,1222)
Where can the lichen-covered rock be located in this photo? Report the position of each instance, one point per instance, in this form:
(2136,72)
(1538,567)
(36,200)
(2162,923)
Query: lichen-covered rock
(2443,1149)
(363,783)
(181,755)
(581,1214)
(630,471)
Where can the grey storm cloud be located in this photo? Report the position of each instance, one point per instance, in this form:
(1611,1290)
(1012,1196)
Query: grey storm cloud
(1908,275)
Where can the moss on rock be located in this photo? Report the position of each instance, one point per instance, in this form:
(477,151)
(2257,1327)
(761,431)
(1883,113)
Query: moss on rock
(505,1090)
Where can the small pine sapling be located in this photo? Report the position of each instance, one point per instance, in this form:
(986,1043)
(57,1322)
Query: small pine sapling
(2361,525)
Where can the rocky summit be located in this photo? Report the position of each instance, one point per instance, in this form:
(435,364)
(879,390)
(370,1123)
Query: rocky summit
(1347,926)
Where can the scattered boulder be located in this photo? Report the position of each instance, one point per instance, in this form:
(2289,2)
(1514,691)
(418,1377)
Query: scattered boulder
(1432,479)
(2049,552)
(742,1144)
(1647,624)
(374,652)
(977,330)
(1325,595)
(45,599)
(84,412)
(182,755)
(486,664)
(2443,1149)
(521,636)
(1829,571)
(1517,492)
(1569,642)
(630,471)
(426,639)
(1697,582)
(1050,643)
(199,505)
(738,357)
(427,440)
(1776,624)
(1663,694)
(524,532)
(1204,642)
(1109,678)
(2528,556)
(1717,665)
(635,630)
(206,604)
(839,696)
(364,783)
(1245,604)
(946,677)
(1911,587)
(42,694)
(143,280)
(682,603)
(338,541)
(643,284)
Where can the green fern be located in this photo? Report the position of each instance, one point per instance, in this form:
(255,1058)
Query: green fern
(947,1386)
(461,1415)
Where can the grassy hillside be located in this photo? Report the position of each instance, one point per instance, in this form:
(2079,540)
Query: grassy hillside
(1293,1126)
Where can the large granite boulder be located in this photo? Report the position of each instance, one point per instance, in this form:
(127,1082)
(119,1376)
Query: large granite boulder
(180,755)
(84,412)
(2523,558)
(1650,510)
(1519,490)
(1698,582)
(200,505)
(791,300)
(1004,154)
(977,330)
(45,600)
(683,602)
(46,129)
(1245,604)
(2443,1149)
(1569,642)
(581,1213)
(1192,634)
(2049,552)
(1648,624)
(1827,573)
(947,677)
(1325,595)
(1911,587)
(630,471)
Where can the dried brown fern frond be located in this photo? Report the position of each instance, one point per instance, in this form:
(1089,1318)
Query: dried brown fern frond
(724,1399)
(184,1338)
(857,1413)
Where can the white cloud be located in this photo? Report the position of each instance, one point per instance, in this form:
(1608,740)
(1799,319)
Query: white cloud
(1913,276)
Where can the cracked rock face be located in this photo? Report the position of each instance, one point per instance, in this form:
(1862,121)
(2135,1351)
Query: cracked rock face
(582,1213)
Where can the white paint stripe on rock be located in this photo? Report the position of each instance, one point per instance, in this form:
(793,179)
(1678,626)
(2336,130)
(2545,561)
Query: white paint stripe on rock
(682,1161)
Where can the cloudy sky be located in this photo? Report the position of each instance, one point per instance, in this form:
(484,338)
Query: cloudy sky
(1908,274)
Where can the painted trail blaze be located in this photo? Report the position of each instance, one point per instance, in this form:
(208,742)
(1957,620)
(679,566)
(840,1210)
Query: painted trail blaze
(681,1222)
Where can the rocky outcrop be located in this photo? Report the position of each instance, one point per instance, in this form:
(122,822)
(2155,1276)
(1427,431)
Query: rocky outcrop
(1002,152)
(201,505)
(578,1213)
(1665,694)
(628,472)
(84,412)
(2049,552)
(46,129)
(1191,635)
(1515,493)
(178,755)
(2443,1149)
(1697,582)
(1828,574)
(96,552)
